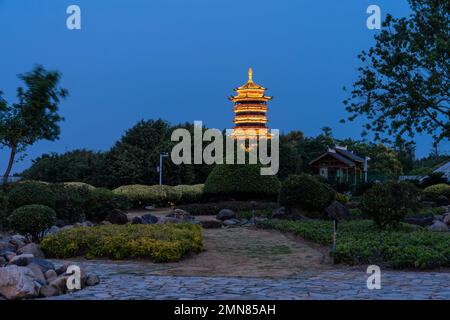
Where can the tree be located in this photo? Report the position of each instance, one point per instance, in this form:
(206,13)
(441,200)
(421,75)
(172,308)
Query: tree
(35,116)
(403,87)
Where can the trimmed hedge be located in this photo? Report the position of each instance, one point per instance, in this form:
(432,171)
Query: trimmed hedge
(240,181)
(32,220)
(79,185)
(70,201)
(31,192)
(437,190)
(160,243)
(388,203)
(102,201)
(305,192)
(360,242)
(189,193)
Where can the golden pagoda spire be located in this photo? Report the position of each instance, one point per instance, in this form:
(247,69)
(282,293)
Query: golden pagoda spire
(250,75)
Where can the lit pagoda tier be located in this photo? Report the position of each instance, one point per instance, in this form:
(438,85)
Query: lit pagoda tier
(250,107)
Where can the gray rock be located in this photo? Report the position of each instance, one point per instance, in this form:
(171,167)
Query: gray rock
(149,219)
(17,282)
(446,219)
(18,241)
(105,223)
(6,247)
(117,217)
(279,213)
(181,215)
(49,291)
(45,265)
(52,230)
(3,261)
(9,255)
(422,221)
(92,280)
(337,211)
(21,260)
(164,220)
(31,248)
(60,283)
(230,222)
(38,274)
(226,214)
(439,217)
(51,275)
(438,226)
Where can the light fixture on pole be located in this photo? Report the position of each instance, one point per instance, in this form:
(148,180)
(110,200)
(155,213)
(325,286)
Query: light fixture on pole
(162,155)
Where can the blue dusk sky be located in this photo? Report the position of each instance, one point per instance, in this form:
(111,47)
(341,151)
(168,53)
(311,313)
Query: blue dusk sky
(180,59)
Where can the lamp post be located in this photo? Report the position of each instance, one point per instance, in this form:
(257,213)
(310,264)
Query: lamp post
(162,155)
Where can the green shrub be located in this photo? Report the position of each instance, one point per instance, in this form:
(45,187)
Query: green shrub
(3,209)
(437,190)
(141,195)
(360,242)
(213,208)
(79,185)
(342,198)
(388,203)
(70,201)
(190,193)
(161,243)
(102,201)
(32,220)
(240,181)
(306,193)
(31,192)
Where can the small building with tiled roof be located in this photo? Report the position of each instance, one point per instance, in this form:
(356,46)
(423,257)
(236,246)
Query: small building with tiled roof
(340,165)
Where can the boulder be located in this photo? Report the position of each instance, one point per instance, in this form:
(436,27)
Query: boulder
(439,217)
(92,280)
(52,230)
(45,265)
(49,291)
(442,201)
(337,211)
(117,217)
(226,214)
(6,247)
(17,282)
(105,223)
(149,219)
(211,224)
(164,220)
(21,260)
(422,221)
(38,274)
(9,255)
(230,222)
(18,241)
(31,248)
(51,275)
(60,282)
(137,220)
(181,215)
(279,213)
(438,226)
(447,219)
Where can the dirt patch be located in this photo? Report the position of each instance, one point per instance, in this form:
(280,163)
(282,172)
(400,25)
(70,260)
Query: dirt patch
(249,252)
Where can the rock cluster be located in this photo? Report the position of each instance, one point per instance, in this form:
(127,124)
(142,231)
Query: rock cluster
(437,223)
(24,272)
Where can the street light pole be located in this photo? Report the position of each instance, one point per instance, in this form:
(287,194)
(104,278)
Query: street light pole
(162,155)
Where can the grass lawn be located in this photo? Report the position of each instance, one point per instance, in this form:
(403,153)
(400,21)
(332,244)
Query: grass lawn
(360,242)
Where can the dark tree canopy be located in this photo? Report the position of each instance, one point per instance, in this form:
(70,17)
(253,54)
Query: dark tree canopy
(403,85)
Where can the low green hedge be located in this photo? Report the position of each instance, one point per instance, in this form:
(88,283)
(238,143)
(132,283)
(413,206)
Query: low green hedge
(32,220)
(360,242)
(160,243)
(437,190)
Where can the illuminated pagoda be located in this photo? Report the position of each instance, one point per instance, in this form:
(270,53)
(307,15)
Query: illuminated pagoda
(250,107)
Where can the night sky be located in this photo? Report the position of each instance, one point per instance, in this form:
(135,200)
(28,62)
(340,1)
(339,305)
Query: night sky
(180,59)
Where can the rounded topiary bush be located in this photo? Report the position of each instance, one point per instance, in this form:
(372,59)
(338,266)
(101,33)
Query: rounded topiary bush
(305,192)
(102,201)
(141,195)
(70,201)
(190,193)
(79,185)
(31,192)
(32,220)
(240,181)
(388,203)
(437,190)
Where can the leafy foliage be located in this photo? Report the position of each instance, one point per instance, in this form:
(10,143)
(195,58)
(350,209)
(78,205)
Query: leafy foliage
(437,190)
(31,192)
(240,181)
(70,202)
(388,203)
(305,192)
(160,243)
(102,201)
(32,220)
(404,84)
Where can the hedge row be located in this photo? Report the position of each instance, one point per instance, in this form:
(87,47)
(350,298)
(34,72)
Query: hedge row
(160,243)
(360,242)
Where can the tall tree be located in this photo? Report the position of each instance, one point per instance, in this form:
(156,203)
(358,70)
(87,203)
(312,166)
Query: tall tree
(403,86)
(34,116)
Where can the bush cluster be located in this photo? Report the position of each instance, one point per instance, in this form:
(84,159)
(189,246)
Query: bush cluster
(32,220)
(31,192)
(360,242)
(160,243)
(437,190)
(101,202)
(70,201)
(388,203)
(305,192)
(240,181)
(142,195)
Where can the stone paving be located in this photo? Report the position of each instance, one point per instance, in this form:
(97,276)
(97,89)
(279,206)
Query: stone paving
(136,280)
